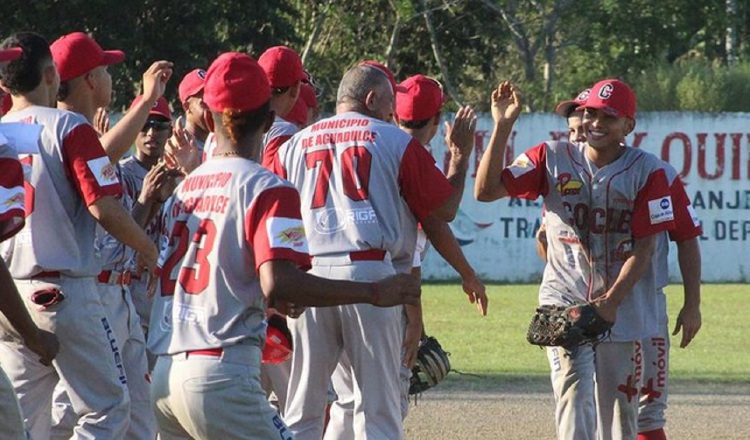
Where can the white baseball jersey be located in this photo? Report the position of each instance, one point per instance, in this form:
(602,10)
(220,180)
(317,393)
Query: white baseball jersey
(11,191)
(70,172)
(593,215)
(280,132)
(208,147)
(227,218)
(370,198)
(133,175)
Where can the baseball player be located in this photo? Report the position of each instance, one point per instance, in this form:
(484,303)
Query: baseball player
(86,85)
(362,182)
(605,205)
(236,240)
(418,108)
(72,186)
(283,67)
(655,349)
(191,96)
(13,311)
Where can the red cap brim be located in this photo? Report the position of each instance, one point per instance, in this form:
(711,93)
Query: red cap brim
(113,57)
(10,54)
(566,107)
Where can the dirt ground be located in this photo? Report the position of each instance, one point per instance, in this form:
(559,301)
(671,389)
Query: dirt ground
(519,409)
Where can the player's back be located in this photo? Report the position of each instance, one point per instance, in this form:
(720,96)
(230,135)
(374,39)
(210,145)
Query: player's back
(209,292)
(347,169)
(69,171)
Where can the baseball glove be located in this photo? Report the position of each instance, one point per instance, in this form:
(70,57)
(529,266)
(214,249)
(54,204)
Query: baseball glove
(431,367)
(569,327)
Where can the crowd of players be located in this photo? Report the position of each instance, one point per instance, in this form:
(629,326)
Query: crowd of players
(138,289)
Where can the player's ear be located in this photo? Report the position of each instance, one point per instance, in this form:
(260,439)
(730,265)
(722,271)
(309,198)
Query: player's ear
(294,90)
(436,118)
(370,100)
(629,126)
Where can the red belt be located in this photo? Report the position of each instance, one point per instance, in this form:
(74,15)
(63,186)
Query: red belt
(207,352)
(368,255)
(46,274)
(114,277)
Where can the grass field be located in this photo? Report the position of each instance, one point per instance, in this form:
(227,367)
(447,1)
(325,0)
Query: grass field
(496,345)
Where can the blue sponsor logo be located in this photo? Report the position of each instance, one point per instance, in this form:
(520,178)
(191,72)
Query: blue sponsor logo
(664,203)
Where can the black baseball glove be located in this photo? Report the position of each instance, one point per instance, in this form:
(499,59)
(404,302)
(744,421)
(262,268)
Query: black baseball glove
(431,366)
(569,327)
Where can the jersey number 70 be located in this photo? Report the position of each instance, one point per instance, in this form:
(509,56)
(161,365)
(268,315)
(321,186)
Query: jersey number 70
(356,162)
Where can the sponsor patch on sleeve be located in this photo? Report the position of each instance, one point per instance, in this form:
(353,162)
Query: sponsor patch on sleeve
(660,210)
(693,216)
(11,199)
(103,171)
(521,165)
(285,232)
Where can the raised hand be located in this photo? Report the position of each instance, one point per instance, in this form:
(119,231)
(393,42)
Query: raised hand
(460,136)
(155,80)
(505,102)
(181,150)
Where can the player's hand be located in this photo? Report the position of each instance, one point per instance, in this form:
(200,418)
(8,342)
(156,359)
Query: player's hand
(286,308)
(460,136)
(395,290)
(475,290)
(101,121)
(181,150)
(147,260)
(605,308)
(689,321)
(412,335)
(155,80)
(159,184)
(505,103)
(44,344)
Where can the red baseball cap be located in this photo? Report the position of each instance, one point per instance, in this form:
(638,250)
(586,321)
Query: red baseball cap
(282,65)
(421,99)
(236,81)
(614,97)
(10,54)
(387,71)
(191,84)
(77,53)
(298,113)
(160,108)
(307,93)
(565,108)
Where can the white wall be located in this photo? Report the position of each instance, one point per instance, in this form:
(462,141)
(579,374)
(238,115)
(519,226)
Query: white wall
(710,151)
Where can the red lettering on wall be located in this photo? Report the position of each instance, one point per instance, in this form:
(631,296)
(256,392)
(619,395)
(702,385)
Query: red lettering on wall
(638,138)
(687,154)
(720,137)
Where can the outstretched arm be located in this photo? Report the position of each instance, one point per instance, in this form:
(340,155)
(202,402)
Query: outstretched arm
(118,140)
(506,106)
(445,243)
(281,280)
(459,138)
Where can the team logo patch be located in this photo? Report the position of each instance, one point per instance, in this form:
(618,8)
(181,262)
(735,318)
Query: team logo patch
(11,198)
(521,165)
(660,210)
(285,232)
(567,186)
(103,171)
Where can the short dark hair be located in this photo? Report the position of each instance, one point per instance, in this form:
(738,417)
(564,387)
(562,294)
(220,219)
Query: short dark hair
(414,125)
(25,74)
(240,124)
(63,91)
